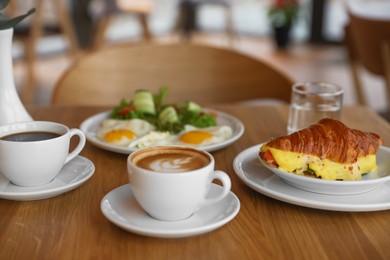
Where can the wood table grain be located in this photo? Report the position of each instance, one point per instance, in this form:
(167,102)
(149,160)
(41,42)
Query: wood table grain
(72,226)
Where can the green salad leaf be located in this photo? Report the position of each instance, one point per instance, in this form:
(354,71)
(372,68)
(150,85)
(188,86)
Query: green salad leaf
(160,97)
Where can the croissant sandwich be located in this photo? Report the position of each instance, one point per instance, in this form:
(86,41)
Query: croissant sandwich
(328,150)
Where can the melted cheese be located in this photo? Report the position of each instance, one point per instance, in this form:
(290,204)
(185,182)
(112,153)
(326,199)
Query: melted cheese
(299,163)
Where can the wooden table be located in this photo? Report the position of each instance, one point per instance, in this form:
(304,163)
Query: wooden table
(72,226)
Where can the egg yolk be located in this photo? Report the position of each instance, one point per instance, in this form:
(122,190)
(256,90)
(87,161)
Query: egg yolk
(118,134)
(195,137)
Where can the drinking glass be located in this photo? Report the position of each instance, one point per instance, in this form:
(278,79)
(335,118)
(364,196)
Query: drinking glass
(311,101)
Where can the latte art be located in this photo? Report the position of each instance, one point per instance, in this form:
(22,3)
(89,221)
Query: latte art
(173,165)
(171,161)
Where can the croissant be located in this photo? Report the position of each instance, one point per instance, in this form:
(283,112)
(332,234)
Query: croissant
(328,149)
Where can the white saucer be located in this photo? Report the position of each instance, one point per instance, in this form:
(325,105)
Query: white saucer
(249,169)
(72,175)
(121,208)
(90,125)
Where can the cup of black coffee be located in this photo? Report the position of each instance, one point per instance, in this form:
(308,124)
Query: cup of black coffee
(33,153)
(172,182)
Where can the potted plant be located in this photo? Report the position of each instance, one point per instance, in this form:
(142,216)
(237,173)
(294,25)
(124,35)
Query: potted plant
(11,108)
(7,23)
(282,14)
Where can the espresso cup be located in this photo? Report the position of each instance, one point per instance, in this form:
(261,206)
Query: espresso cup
(33,153)
(171,182)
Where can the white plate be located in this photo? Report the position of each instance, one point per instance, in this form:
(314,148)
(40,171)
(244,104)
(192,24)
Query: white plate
(121,208)
(72,175)
(92,124)
(368,182)
(255,175)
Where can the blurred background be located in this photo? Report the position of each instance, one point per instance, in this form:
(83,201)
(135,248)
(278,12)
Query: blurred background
(315,50)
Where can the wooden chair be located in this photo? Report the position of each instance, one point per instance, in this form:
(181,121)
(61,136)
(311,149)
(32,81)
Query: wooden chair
(200,73)
(29,34)
(368,44)
(113,8)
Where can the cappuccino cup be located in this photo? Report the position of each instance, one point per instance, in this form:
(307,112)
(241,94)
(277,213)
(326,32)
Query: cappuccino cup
(33,153)
(171,182)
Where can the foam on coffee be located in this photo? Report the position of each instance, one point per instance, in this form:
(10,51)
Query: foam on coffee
(170,160)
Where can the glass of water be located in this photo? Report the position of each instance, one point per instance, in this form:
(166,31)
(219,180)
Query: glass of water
(311,101)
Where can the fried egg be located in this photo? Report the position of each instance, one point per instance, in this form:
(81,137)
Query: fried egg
(194,136)
(154,138)
(138,133)
(122,132)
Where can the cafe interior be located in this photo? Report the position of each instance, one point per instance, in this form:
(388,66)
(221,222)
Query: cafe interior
(68,67)
(316,50)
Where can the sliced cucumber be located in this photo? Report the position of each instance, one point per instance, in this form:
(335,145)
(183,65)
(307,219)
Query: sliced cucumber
(143,102)
(191,106)
(168,114)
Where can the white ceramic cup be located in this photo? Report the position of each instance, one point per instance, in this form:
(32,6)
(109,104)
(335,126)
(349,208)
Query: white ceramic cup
(33,163)
(168,191)
(311,101)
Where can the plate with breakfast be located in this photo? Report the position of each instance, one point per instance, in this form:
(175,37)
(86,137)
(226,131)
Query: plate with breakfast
(147,121)
(326,166)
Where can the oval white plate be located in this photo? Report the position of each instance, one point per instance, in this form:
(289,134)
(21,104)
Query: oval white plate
(121,208)
(71,176)
(92,124)
(368,182)
(249,169)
